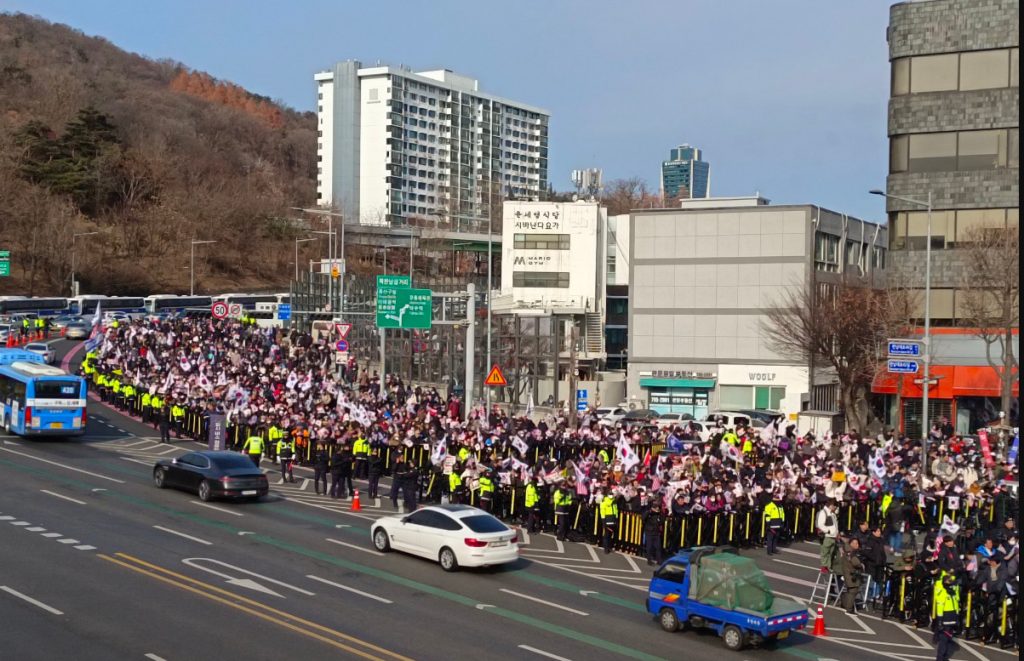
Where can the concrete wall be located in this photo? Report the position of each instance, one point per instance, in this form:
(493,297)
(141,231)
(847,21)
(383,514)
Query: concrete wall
(945,26)
(373,149)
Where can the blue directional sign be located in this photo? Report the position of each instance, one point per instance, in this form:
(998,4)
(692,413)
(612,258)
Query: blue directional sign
(909,348)
(903,366)
(284,311)
(581,400)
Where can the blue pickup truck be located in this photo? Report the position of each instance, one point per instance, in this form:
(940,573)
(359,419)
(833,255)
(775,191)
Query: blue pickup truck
(718,589)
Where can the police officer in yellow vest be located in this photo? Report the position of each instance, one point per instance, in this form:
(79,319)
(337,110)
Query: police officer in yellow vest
(455,485)
(531,502)
(774,518)
(486,489)
(285,451)
(254,447)
(128,392)
(609,511)
(146,401)
(946,606)
(274,436)
(361,451)
(177,418)
(562,500)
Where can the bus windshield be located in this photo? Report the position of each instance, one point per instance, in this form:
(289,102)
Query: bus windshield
(56,389)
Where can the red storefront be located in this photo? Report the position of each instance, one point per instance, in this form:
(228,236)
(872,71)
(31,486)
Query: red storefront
(967,395)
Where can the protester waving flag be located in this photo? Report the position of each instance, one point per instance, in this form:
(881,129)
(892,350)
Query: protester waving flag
(626,454)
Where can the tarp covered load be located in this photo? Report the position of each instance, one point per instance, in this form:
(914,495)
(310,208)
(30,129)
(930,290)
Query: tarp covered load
(730,581)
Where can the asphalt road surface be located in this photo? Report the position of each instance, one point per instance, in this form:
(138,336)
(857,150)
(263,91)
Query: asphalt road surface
(99,564)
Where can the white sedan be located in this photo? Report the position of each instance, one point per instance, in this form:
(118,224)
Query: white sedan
(453,535)
(43,349)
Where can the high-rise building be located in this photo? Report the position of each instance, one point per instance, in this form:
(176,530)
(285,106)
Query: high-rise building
(685,174)
(394,145)
(953,129)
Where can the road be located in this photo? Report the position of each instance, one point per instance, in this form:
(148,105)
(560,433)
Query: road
(99,564)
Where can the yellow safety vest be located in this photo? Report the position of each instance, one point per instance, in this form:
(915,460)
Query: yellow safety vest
(254,445)
(531,495)
(609,508)
(486,485)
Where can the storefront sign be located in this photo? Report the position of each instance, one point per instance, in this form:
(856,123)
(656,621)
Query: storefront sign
(532,260)
(679,374)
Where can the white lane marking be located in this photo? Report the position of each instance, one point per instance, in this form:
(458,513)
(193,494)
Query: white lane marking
(68,540)
(138,461)
(806,554)
(20,523)
(214,507)
(121,430)
(794,564)
(542,601)
(57,495)
(353,590)
(136,444)
(975,652)
(353,546)
(543,653)
(526,536)
(36,529)
(783,577)
(85,547)
(245,582)
(167,451)
(305,484)
(34,602)
(330,509)
(52,534)
(181,534)
(70,468)
(6,517)
(154,657)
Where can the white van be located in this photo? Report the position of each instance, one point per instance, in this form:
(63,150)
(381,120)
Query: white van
(731,419)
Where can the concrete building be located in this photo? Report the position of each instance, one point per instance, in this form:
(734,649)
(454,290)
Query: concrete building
(701,282)
(685,174)
(616,327)
(395,145)
(953,130)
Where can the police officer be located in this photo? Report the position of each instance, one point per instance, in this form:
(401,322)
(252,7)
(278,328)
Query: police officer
(164,421)
(455,484)
(486,489)
(254,447)
(398,469)
(562,501)
(774,519)
(532,499)
(285,453)
(337,458)
(321,464)
(361,451)
(947,608)
(374,467)
(609,511)
(654,524)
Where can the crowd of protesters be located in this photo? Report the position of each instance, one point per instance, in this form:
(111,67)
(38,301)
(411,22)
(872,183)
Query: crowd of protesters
(640,489)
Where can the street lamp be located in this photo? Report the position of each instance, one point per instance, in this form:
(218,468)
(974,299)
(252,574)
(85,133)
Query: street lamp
(330,252)
(192,267)
(925,424)
(74,288)
(297,242)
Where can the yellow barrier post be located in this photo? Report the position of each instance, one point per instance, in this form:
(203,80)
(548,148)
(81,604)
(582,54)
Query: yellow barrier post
(714,533)
(700,528)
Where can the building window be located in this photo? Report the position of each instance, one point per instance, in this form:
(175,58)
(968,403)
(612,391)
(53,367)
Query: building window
(986,69)
(826,252)
(933,73)
(981,150)
(901,76)
(971,70)
(541,241)
(548,279)
(932,152)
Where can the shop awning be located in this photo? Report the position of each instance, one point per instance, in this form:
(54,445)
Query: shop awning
(954,381)
(677,383)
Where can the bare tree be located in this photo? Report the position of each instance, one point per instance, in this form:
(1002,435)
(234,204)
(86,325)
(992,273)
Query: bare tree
(621,195)
(991,295)
(839,324)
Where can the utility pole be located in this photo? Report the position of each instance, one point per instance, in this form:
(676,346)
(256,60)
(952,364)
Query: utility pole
(467,399)
(572,373)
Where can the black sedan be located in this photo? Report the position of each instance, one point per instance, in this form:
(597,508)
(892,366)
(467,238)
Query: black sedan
(212,475)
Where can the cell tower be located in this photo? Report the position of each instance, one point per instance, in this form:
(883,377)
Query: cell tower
(587,182)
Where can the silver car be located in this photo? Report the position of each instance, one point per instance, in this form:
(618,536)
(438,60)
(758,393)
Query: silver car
(77,330)
(43,349)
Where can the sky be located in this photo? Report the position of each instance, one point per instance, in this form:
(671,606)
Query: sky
(786,97)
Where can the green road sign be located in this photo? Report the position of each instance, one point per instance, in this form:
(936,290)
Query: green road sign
(404,308)
(393,282)
(5,263)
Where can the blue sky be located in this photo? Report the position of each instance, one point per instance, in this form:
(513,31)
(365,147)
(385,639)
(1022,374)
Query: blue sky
(785,97)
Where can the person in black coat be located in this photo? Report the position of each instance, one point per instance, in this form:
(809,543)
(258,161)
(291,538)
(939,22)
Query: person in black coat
(872,553)
(654,525)
(375,468)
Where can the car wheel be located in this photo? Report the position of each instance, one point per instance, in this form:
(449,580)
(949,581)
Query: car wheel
(733,638)
(205,493)
(668,620)
(159,478)
(448,560)
(380,540)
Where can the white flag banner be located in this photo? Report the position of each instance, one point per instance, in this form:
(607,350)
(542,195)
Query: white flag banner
(529,405)
(520,446)
(625,453)
(878,465)
(293,379)
(769,432)
(151,359)
(437,456)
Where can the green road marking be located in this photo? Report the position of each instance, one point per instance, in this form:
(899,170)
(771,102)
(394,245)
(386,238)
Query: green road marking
(386,575)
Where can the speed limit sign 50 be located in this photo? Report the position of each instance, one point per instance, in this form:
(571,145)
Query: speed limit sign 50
(219,310)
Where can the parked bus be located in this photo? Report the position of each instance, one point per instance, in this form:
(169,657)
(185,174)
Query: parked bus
(247,301)
(86,305)
(37,399)
(40,306)
(170,303)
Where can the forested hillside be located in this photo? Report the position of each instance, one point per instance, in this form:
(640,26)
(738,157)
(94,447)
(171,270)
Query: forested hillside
(150,155)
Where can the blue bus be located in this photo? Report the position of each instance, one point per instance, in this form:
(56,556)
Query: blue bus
(37,399)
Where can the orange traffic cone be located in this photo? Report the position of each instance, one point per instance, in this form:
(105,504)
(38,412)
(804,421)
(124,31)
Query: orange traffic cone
(356,507)
(819,624)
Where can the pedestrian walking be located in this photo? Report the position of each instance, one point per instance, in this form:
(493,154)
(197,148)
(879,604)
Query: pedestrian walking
(253,446)
(947,609)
